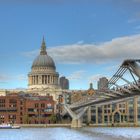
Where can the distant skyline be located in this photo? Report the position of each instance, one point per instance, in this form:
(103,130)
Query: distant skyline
(87,39)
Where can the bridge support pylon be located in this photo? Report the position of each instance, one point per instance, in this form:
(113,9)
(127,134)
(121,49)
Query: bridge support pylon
(76,117)
(76,123)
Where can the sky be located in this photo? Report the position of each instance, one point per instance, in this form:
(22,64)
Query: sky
(87,39)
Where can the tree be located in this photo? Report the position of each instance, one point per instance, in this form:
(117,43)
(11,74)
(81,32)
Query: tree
(52,118)
(26,119)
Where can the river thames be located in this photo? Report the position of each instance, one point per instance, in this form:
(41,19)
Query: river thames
(61,133)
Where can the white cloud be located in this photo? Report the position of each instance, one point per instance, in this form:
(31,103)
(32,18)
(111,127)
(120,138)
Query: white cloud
(116,49)
(21,77)
(135,17)
(94,78)
(132,20)
(137,27)
(136,0)
(112,68)
(77,75)
(31,53)
(4,78)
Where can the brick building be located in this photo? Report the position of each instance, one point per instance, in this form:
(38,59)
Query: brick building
(24,108)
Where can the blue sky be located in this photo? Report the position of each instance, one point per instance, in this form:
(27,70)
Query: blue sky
(87,39)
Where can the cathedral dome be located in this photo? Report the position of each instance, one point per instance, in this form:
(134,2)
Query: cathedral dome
(43,60)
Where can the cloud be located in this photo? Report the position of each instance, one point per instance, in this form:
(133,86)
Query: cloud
(116,49)
(136,1)
(112,68)
(49,2)
(137,27)
(31,53)
(5,78)
(77,75)
(32,1)
(135,18)
(21,77)
(94,78)
(73,2)
(132,20)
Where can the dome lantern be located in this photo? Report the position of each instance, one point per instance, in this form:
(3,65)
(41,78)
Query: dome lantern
(43,48)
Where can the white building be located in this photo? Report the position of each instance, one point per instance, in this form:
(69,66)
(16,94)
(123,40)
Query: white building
(43,78)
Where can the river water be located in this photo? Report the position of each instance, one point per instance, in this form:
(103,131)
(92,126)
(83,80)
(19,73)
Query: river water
(60,133)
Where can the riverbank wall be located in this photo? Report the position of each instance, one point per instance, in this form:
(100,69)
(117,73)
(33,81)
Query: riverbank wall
(44,125)
(84,125)
(115,125)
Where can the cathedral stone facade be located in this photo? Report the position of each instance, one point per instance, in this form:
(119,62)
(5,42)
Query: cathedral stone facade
(43,78)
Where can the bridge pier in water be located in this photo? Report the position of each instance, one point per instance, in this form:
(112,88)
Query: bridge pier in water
(76,117)
(76,123)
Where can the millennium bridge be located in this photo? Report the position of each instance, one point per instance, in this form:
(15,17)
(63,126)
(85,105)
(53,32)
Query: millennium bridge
(128,72)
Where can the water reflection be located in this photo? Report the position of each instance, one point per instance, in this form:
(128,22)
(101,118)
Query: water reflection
(86,133)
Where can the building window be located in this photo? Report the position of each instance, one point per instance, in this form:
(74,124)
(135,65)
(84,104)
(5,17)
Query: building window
(21,102)
(13,105)
(36,105)
(12,116)
(2,100)
(43,105)
(2,105)
(30,110)
(2,116)
(105,111)
(49,105)
(12,101)
(105,118)
(121,105)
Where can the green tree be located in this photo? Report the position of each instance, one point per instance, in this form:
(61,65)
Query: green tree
(52,118)
(26,119)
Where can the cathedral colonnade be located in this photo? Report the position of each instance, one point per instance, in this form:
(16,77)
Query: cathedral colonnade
(43,79)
